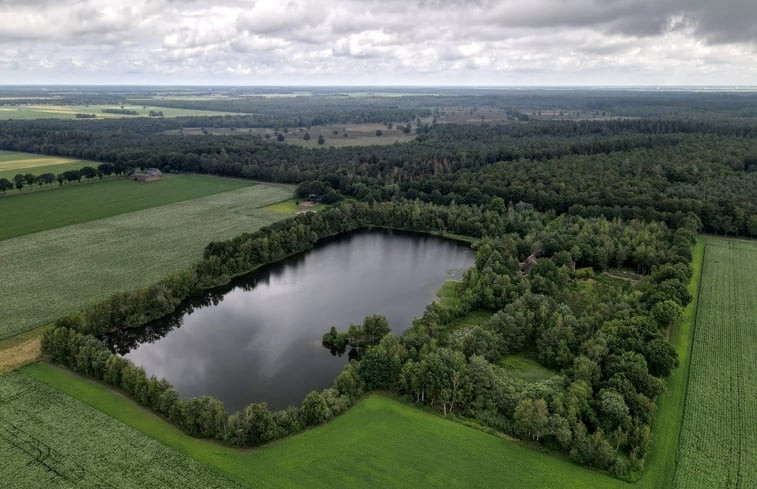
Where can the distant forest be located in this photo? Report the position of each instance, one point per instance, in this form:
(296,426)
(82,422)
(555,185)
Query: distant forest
(663,162)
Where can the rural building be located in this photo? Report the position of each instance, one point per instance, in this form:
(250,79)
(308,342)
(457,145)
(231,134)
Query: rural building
(147,175)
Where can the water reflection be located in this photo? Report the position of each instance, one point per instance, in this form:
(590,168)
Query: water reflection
(259,339)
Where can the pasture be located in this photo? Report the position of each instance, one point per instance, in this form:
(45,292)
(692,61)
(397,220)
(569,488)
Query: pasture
(57,271)
(718,445)
(13,163)
(30,212)
(48,439)
(378,443)
(51,111)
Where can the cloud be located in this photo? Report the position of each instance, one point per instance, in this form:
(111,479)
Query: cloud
(393,41)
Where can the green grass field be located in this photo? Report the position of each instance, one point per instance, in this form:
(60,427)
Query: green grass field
(378,443)
(718,444)
(526,368)
(12,163)
(51,111)
(55,272)
(50,440)
(30,212)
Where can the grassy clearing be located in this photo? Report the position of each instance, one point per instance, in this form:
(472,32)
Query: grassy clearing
(55,272)
(48,439)
(526,368)
(293,206)
(52,111)
(718,441)
(378,443)
(31,212)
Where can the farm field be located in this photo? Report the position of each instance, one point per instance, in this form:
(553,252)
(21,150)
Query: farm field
(30,212)
(357,134)
(12,163)
(45,111)
(48,439)
(718,446)
(119,253)
(398,446)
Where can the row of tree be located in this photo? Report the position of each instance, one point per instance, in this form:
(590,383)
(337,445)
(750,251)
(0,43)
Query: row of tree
(22,180)
(202,416)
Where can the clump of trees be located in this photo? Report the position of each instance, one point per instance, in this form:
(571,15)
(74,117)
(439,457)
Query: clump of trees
(28,179)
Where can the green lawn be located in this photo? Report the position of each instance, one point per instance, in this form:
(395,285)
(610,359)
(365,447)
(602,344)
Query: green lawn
(30,212)
(50,440)
(55,272)
(718,443)
(526,368)
(378,443)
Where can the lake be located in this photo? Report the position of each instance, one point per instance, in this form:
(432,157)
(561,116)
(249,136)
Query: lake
(258,339)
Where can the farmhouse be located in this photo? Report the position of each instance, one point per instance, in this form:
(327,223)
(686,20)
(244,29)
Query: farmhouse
(147,175)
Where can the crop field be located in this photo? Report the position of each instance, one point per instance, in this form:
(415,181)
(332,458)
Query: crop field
(378,443)
(30,212)
(334,134)
(51,111)
(48,439)
(718,445)
(13,163)
(119,253)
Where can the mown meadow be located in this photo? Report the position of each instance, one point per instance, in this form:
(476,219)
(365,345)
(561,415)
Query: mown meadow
(57,271)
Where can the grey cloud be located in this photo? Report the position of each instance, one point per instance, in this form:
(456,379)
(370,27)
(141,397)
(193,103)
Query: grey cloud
(538,41)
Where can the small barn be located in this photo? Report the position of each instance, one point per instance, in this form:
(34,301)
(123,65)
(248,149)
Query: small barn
(146,175)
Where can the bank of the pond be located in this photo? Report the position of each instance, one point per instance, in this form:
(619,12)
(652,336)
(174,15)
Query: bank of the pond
(258,338)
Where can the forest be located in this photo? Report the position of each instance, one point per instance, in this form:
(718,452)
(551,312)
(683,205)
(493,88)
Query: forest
(651,169)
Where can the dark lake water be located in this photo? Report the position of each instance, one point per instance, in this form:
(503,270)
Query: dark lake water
(259,339)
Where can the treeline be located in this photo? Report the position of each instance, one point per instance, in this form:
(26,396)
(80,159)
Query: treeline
(203,416)
(22,180)
(632,169)
(121,111)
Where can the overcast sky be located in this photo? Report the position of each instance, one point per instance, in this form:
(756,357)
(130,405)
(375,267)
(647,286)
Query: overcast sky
(389,42)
